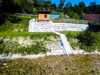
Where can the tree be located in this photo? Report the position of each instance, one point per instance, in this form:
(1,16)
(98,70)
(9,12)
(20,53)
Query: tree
(87,38)
(53,7)
(6,7)
(91,7)
(80,8)
(67,8)
(61,5)
(25,5)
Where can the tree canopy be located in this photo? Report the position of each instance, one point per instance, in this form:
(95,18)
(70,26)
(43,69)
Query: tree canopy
(32,6)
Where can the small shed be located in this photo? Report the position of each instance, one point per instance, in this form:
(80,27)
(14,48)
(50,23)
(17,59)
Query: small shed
(43,15)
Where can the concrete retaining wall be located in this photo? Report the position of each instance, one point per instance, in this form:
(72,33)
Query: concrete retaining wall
(49,27)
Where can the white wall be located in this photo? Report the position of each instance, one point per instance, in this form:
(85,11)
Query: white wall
(49,27)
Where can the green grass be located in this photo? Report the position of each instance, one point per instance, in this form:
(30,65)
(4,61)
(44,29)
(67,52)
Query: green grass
(16,24)
(71,34)
(53,65)
(15,48)
(41,35)
(25,34)
(72,38)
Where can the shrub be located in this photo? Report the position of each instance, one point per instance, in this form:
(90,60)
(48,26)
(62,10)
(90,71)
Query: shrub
(32,35)
(87,38)
(89,41)
(14,19)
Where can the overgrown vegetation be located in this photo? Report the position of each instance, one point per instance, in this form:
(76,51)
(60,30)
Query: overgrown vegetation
(72,38)
(89,41)
(53,65)
(16,24)
(12,47)
(71,34)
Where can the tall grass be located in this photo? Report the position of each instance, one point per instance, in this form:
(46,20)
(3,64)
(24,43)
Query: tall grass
(25,34)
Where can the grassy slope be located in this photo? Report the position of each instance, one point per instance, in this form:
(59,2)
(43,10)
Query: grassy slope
(53,65)
(38,43)
(16,24)
(25,34)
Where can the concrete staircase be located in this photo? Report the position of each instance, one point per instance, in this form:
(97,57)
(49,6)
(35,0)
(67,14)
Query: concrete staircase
(67,49)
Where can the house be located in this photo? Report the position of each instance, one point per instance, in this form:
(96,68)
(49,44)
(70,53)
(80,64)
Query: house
(43,15)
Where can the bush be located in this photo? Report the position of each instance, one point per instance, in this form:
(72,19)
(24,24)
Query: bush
(13,47)
(14,19)
(73,15)
(94,27)
(87,38)
(89,41)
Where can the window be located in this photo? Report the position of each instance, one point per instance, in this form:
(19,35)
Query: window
(45,15)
